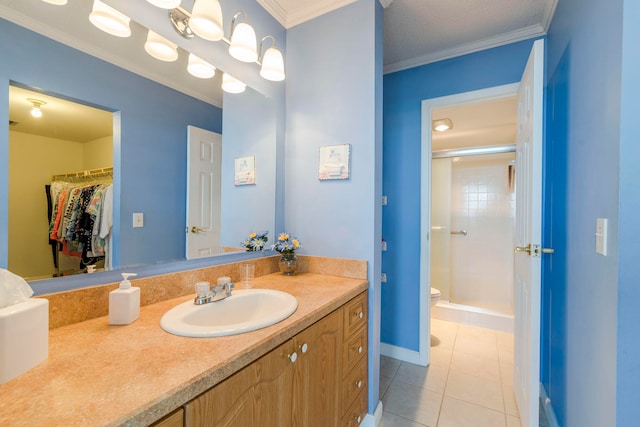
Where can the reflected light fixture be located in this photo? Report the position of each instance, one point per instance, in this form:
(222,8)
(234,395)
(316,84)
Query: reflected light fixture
(165,4)
(232,85)
(56,2)
(243,40)
(206,20)
(109,20)
(160,48)
(441,125)
(272,67)
(36,111)
(200,68)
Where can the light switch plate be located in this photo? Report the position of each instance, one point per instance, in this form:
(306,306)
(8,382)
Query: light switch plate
(138,220)
(601,236)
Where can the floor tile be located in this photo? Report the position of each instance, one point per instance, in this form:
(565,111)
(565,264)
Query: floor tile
(506,373)
(443,333)
(440,357)
(384,384)
(475,390)
(457,413)
(510,405)
(389,366)
(432,377)
(480,334)
(413,403)
(476,347)
(482,367)
(392,420)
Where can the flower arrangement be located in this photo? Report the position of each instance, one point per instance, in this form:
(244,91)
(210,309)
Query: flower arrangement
(287,244)
(256,241)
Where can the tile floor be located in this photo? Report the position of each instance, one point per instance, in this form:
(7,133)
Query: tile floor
(468,384)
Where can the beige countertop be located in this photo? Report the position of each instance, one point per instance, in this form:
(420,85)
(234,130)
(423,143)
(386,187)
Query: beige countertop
(98,374)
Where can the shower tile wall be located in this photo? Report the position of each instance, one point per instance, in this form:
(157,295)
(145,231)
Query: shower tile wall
(483,204)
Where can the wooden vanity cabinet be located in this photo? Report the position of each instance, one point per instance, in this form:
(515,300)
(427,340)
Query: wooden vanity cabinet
(303,382)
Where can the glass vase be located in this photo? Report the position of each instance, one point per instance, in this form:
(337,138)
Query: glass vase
(288,264)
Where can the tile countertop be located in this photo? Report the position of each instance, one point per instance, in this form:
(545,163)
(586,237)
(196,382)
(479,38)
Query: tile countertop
(98,374)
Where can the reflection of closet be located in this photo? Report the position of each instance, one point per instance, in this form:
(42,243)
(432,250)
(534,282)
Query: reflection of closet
(80,207)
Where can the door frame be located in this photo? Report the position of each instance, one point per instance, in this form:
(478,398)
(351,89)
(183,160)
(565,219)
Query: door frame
(428,105)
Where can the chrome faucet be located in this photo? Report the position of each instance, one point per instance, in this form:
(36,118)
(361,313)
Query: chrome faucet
(205,295)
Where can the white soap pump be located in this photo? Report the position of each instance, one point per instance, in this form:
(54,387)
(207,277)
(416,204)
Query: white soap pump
(124,302)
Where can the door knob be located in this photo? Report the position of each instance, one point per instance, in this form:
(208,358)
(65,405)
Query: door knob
(526,249)
(196,230)
(535,250)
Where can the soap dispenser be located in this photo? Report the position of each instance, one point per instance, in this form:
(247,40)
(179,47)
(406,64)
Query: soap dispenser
(124,302)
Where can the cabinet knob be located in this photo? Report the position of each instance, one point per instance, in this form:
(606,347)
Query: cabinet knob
(304,347)
(359,383)
(360,349)
(293,357)
(360,315)
(358,419)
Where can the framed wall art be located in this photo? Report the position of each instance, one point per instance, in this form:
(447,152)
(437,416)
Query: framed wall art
(245,170)
(334,162)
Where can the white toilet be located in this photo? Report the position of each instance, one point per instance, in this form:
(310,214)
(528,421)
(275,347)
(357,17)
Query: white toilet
(435,296)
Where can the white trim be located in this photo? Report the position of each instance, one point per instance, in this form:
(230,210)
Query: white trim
(275,9)
(373,420)
(290,14)
(386,3)
(400,353)
(428,105)
(548,408)
(465,49)
(548,16)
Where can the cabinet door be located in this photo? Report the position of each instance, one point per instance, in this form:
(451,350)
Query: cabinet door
(317,373)
(253,396)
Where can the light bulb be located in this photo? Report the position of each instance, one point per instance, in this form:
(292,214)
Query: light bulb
(109,20)
(206,20)
(165,4)
(232,85)
(36,111)
(243,43)
(272,65)
(56,2)
(160,48)
(199,68)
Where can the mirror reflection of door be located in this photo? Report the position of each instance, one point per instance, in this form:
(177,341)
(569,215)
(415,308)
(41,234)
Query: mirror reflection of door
(68,142)
(203,193)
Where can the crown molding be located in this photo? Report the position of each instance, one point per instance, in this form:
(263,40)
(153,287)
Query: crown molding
(285,12)
(465,49)
(275,9)
(386,3)
(548,16)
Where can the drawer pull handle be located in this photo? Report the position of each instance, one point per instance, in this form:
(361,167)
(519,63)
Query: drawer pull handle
(361,315)
(293,357)
(358,314)
(304,347)
(359,383)
(360,349)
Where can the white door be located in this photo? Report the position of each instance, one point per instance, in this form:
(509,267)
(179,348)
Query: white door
(204,160)
(528,238)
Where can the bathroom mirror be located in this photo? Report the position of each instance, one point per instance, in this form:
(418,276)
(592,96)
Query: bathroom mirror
(149,141)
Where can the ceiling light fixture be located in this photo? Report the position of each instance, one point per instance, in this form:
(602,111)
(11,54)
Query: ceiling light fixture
(243,40)
(35,110)
(272,67)
(160,48)
(441,125)
(200,68)
(165,4)
(109,20)
(206,20)
(232,85)
(56,2)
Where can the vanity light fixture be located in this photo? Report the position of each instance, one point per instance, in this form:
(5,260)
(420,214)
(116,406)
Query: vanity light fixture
(272,67)
(165,4)
(232,85)
(160,48)
(36,111)
(109,20)
(206,20)
(441,125)
(200,68)
(243,40)
(56,2)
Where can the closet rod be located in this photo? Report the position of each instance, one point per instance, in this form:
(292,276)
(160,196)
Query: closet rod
(473,151)
(92,172)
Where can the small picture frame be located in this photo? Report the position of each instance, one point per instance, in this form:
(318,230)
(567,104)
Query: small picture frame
(334,162)
(245,170)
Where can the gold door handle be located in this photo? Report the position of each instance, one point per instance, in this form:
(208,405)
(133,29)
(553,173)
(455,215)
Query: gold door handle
(196,230)
(526,249)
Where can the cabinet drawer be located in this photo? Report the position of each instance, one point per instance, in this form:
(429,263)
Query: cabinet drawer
(354,382)
(355,414)
(174,419)
(354,349)
(355,314)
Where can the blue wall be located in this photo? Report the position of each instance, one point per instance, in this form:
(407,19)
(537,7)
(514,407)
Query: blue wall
(584,142)
(331,99)
(150,156)
(403,93)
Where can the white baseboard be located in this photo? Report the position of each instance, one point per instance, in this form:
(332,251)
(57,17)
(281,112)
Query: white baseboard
(547,407)
(373,420)
(400,353)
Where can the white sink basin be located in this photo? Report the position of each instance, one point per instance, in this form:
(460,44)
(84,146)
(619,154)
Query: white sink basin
(245,310)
